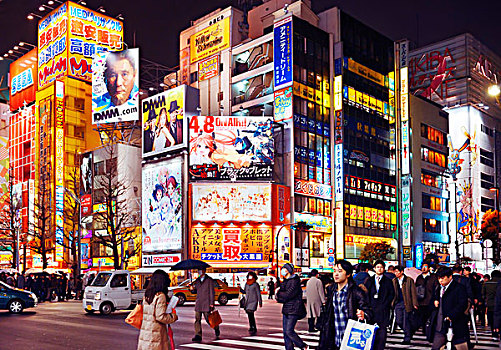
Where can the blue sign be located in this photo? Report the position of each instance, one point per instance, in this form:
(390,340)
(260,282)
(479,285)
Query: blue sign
(419,251)
(22,81)
(282,49)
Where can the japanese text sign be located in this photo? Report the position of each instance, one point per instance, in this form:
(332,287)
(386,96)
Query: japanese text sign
(282,52)
(208,68)
(68,38)
(210,40)
(231,243)
(23,80)
(231,148)
(283,105)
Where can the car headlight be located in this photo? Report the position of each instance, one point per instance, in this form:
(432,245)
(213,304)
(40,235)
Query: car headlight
(97,296)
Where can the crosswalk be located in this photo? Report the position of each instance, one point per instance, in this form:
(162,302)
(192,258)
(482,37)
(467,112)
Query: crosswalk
(274,341)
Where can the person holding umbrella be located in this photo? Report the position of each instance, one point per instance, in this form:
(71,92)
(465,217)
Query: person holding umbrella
(204,288)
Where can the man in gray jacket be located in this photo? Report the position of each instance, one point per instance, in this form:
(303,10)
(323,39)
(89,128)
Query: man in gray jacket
(204,288)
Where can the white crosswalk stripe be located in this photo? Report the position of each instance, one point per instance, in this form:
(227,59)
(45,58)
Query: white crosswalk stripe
(274,341)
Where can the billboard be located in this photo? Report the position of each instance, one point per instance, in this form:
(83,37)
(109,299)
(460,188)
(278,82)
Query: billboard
(231,244)
(210,40)
(231,202)
(86,177)
(282,52)
(283,104)
(69,37)
(23,80)
(165,122)
(162,207)
(231,148)
(115,86)
(208,68)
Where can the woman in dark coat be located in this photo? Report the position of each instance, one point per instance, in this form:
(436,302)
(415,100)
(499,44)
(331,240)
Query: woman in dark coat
(252,299)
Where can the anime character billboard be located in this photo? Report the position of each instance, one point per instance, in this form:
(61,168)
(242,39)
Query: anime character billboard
(455,160)
(162,206)
(231,148)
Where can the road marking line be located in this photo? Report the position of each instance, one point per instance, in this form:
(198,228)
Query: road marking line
(276,340)
(248,343)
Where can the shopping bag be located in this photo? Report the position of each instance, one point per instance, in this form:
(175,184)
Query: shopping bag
(135,318)
(214,319)
(358,336)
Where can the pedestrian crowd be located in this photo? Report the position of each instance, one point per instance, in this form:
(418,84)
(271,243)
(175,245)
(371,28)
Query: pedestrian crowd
(441,302)
(48,287)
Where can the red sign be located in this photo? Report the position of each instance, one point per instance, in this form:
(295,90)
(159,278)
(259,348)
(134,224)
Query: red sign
(86,203)
(161,259)
(281,203)
(208,69)
(22,81)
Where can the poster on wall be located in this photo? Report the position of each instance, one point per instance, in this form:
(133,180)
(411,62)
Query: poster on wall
(231,148)
(115,86)
(231,244)
(283,105)
(165,119)
(231,202)
(162,214)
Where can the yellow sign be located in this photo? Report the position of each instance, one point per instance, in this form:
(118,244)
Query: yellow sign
(208,68)
(68,38)
(364,240)
(365,72)
(210,40)
(338,92)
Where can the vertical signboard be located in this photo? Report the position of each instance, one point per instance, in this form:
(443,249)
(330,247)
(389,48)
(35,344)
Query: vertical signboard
(406,211)
(59,169)
(282,50)
(23,80)
(184,64)
(404,117)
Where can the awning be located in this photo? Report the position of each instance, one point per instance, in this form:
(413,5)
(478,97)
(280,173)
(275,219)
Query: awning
(149,270)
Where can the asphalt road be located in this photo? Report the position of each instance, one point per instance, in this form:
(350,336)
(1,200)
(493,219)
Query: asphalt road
(65,325)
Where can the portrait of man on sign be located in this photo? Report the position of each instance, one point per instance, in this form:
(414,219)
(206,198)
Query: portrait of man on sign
(115,81)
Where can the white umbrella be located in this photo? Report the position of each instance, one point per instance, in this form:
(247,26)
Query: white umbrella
(33,270)
(412,272)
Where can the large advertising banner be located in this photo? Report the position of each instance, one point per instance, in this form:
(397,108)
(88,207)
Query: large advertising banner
(283,105)
(23,80)
(231,148)
(162,206)
(115,86)
(282,52)
(231,202)
(69,37)
(231,243)
(210,40)
(165,119)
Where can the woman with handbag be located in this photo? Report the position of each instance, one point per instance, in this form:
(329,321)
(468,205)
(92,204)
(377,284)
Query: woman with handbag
(154,334)
(252,298)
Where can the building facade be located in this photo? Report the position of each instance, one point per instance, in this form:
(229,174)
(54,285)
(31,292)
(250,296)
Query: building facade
(456,73)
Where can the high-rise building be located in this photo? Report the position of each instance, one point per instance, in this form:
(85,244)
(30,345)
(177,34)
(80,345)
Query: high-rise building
(456,73)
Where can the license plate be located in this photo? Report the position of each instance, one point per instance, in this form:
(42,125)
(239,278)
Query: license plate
(89,307)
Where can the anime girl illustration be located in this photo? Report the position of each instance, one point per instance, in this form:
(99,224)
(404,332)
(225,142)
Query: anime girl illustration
(454,160)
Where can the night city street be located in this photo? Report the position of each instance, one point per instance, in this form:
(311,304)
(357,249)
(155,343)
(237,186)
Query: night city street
(173,163)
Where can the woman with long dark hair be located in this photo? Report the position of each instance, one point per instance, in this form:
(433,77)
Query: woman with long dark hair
(153,334)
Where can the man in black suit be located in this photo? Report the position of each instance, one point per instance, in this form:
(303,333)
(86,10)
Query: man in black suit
(426,283)
(381,294)
(450,301)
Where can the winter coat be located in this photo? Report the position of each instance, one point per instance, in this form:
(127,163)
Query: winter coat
(489,293)
(430,283)
(252,296)
(153,334)
(205,293)
(409,293)
(381,306)
(291,295)
(356,299)
(454,302)
(315,297)
(497,308)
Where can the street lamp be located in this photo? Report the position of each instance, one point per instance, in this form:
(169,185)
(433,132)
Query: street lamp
(301,225)
(494,90)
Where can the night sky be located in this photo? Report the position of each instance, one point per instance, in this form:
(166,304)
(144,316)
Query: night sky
(154,25)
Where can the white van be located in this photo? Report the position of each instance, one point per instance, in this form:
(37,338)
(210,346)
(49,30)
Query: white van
(110,291)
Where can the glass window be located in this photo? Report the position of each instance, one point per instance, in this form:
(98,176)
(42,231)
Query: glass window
(101,279)
(119,280)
